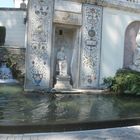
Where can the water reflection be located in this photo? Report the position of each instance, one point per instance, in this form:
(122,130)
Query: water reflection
(19,108)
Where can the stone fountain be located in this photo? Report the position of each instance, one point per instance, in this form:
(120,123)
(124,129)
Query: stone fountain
(6,76)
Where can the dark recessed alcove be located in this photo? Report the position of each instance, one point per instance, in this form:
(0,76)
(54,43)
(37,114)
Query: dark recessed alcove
(2,35)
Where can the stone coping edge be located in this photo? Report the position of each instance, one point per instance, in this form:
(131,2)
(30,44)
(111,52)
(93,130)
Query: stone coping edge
(77,126)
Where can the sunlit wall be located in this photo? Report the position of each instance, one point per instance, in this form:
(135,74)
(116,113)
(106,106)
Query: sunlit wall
(114,26)
(13,20)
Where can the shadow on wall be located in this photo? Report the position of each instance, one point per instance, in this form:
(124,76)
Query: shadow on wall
(130,42)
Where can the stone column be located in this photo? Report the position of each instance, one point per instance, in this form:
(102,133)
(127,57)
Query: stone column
(39,42)
(91,44)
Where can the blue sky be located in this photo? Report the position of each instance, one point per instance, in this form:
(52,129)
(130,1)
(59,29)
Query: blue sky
(6,3)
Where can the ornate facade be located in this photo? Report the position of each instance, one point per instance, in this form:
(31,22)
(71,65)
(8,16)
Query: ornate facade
(86,36)
(40,48)
(39,44)
(90,51)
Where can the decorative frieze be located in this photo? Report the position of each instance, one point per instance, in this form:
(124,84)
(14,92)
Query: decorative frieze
(90,50)
(40,16)
(67,18)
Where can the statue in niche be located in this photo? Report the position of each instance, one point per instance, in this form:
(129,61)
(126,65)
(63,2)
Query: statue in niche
(62,62)
(136,56)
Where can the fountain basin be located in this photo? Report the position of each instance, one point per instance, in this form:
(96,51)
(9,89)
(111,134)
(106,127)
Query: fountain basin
(30,112)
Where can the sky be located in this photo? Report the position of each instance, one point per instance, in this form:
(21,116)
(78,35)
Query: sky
(6,3)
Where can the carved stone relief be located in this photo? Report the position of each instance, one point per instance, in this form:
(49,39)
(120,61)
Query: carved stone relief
(90,51)
(40,15)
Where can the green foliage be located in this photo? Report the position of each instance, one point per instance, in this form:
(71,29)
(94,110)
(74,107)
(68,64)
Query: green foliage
(124,82)
(13,66)
(2,35)
(108,81)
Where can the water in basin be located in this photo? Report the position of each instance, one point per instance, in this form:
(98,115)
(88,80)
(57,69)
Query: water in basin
(17,107)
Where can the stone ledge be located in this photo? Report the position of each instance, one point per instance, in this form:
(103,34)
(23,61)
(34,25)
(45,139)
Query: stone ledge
(12,47)
(12,9)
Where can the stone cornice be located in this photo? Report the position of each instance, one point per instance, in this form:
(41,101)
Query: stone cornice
(117,4)
(121,5)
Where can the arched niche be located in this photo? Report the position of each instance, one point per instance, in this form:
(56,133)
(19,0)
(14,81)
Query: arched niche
(130,42)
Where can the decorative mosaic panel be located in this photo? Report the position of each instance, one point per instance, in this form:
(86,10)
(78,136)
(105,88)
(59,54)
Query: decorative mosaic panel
(40,15)
(90,50)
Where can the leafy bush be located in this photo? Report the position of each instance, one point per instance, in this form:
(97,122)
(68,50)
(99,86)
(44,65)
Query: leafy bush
(2,35)
(125,81)
(13,66)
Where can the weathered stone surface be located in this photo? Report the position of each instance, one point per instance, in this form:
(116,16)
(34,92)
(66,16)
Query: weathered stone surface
(67,18)
(90,50)
(40,17)
(68,6)
(63,83)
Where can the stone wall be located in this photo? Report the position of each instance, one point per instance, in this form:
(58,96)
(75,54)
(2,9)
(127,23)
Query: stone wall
(38,54)
(13,20)
(91,46)
(115,23)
